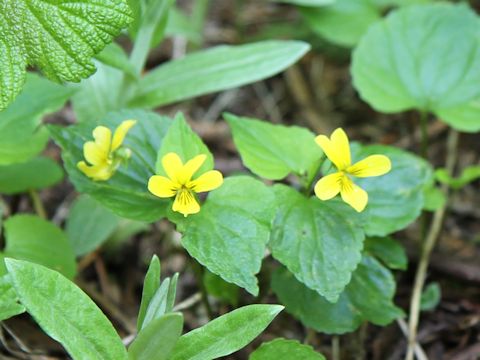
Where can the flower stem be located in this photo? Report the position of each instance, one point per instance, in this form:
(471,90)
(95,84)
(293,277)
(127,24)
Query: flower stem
(335,347)
(37,204)
(309,185)
(424,134)
(428,246)
(198,271)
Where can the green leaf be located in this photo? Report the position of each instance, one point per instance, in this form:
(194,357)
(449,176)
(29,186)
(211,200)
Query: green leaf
(179,24)
(226,334)
(172,293)
(274,151)
(399,65)
(89,224)
(126,193)
(31,238)
(21,137)
(9,305)
(3,269)
(99,94)
(468,175)
(388,251)
(124,231)
(152,23)
(59,37)
(157,307)
(113,55)
(181,140)
(65,312)
(312,3)
(230,233)
(431,296)
(35,174)
(344,22)
(319,241)
(462,117)
(216,69)
(368,297)
(151,283)
(285,349)
(395,199)
(157,340)
(434,198)
(221,289)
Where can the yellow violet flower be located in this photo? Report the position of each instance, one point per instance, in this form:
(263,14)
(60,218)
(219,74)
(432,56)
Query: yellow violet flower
(104,155)
(179,182)
(337,149)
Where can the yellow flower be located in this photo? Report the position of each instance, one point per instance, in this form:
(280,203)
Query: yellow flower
(104,154)
(337,149)
(179,182)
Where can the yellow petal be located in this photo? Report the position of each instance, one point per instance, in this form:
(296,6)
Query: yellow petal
(172,164)
(373,165)
(94,154)
(207,181)
(185,203)
(121,132)
(103,138)
(337,148)
(190,168)
(97,172)
(162,186)
(353,194)
(329,186)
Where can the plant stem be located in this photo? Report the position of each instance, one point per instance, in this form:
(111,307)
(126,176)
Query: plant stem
(199,14)
(308,188)
(336,347)
(198,271)
(37,204)
(424,132)
(428,245)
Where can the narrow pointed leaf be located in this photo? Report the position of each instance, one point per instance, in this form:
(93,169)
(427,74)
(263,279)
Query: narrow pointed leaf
(65,312)
(226,334)
(216,69)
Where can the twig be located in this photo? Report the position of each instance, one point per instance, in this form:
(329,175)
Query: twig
(424,136)
(185,304)
(302,95)
(429,243)
(109,307)
(419,353)
(37,204)
(17,340)
(336,347)
(268,101)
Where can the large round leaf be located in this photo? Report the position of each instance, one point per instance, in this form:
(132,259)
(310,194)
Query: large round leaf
(424,57)
(29,237)
(126,192)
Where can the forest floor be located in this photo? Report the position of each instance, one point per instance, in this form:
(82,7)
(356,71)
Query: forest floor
(316,93)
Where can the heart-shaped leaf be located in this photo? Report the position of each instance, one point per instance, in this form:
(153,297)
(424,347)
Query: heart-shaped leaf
(230,233)
(424,57)
(368,297)
(319,241)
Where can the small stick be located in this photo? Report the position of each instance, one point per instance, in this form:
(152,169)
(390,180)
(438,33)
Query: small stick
(336,347)
(419,353)
(37,204)
(428,246)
